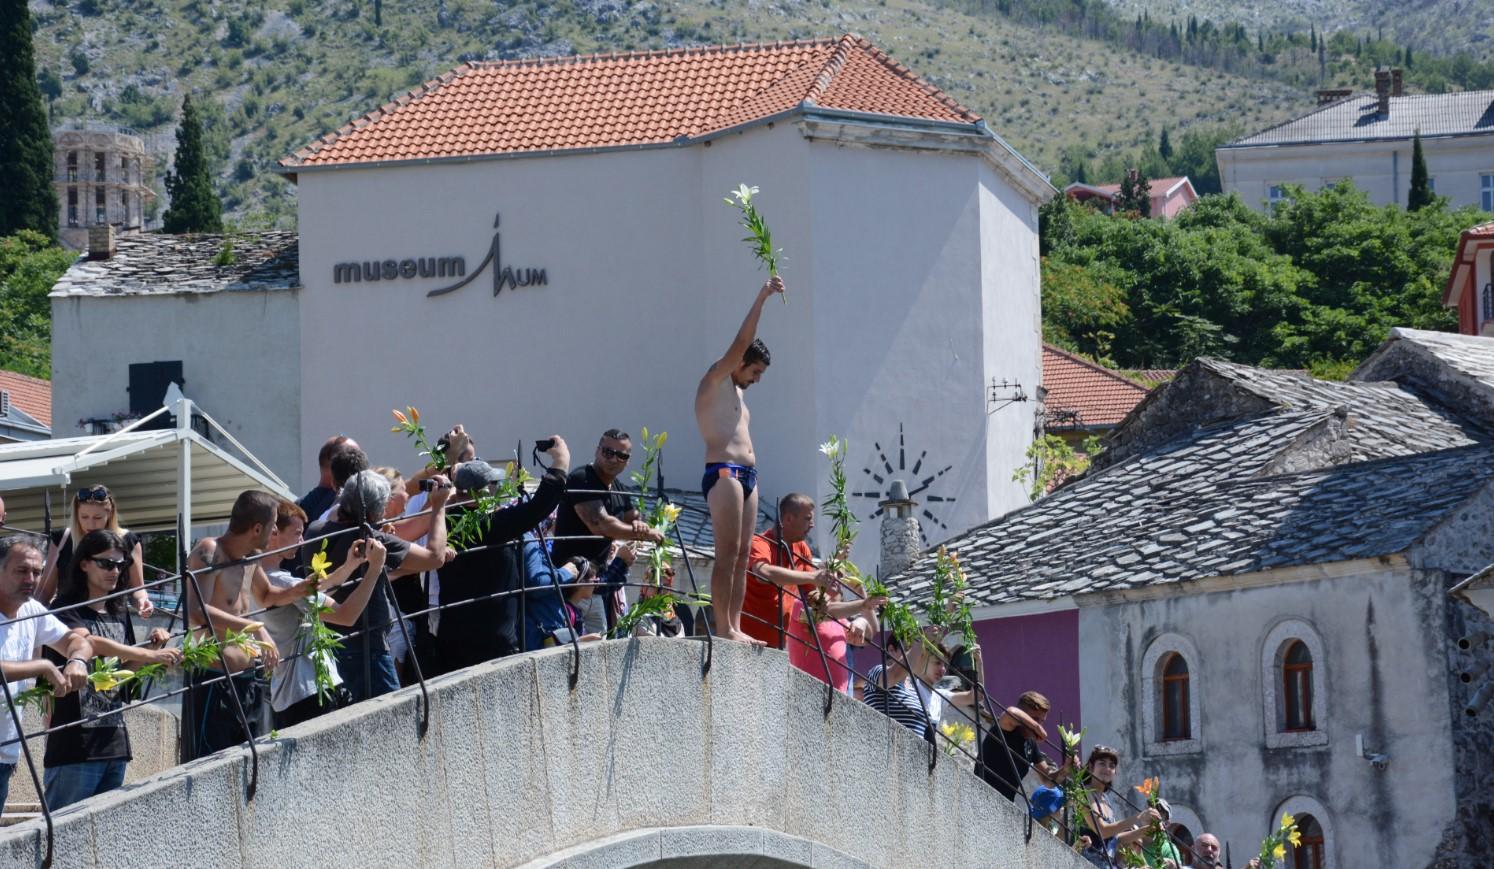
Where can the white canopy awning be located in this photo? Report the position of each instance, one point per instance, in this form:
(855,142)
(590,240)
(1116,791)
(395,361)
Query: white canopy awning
(143,469)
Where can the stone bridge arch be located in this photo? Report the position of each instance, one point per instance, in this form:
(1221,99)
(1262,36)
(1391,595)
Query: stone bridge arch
(643,757)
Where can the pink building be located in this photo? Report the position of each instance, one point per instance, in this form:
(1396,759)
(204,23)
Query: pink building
(1169,195)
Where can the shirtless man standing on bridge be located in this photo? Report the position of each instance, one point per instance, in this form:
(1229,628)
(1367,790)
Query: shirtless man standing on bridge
(730,482)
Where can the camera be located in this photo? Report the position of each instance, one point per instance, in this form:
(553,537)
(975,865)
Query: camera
(427,484)
(544,445)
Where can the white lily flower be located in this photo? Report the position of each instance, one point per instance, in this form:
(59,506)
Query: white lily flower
(831,448)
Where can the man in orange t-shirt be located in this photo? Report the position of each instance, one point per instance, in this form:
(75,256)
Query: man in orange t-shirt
(780,566)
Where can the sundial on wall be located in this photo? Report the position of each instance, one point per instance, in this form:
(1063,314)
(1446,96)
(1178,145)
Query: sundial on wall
(890,464)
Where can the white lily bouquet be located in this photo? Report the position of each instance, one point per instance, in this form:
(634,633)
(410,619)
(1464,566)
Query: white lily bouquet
(759,237)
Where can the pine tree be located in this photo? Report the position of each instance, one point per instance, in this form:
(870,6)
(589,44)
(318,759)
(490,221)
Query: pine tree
(28,200)
(1408,57)
(194,205)
(1420,195)
(1312,39)
(1135,194)
(1164,146)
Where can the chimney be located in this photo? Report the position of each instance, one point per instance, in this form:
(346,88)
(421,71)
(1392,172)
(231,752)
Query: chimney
(101,241)
(902,539)
(1382,90)
(1397,87)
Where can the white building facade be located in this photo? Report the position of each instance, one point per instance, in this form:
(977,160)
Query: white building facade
(592,286)
(1368,139)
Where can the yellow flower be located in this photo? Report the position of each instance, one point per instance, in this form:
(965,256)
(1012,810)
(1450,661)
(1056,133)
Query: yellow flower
(108,680)
(671,512)
(663,436)
(1279,852)
(1295,838)
(320,564)
(401,417)
(1287,821)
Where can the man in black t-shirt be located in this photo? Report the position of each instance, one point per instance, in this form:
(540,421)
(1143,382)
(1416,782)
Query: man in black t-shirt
(596,504)
(364,661)
(1011,748)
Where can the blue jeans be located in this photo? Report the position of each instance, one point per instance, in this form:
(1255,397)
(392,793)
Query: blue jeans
(75,782)
(380,667)
(6,770)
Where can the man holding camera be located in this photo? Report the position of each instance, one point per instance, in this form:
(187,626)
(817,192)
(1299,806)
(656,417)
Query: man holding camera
(488,627)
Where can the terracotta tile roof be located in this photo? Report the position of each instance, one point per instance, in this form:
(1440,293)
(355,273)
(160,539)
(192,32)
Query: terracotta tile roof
(32,395)
(1093,395)
(633,99)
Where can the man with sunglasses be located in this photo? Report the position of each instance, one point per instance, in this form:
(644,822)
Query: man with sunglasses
(595,506)
(26,626)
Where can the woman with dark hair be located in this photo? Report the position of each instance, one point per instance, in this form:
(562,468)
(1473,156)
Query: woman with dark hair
(90,757)
(1097,816)
(93,510)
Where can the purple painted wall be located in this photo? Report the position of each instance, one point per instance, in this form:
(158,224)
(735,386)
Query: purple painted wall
(1034,653)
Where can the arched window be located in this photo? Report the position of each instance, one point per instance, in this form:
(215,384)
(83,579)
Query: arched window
(1176,722)
(1171,682)
(1296,686)
(1309,854)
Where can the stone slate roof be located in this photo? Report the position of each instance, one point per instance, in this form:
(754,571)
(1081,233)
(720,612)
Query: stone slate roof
(1357,119)
(1231,469)
(157,263)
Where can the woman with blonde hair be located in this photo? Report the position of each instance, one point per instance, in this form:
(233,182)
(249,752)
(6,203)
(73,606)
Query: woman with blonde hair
(94,510)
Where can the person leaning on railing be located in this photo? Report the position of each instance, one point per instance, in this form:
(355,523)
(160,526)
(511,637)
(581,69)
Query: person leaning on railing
(294,693)
(1098,824)
(364,661)
(490,572)
(26,628)
(91,758)
(1010,748)
(94,508)
(888,692)
(211,718)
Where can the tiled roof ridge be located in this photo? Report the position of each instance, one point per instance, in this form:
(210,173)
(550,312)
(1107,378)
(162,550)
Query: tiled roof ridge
(358,123)
(898,69)
(1095,366)
(830,69)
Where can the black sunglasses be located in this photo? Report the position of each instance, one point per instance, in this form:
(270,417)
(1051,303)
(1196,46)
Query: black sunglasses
(110,563)
(95,493)
(619,455)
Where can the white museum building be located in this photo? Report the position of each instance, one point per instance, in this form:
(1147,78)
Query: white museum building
(541,246)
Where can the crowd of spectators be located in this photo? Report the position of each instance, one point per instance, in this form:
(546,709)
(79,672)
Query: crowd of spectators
(366,554)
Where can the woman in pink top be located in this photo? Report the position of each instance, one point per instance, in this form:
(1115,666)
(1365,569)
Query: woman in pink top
(831,617)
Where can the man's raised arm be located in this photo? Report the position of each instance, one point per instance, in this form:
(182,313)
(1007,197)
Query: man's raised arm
(745,335)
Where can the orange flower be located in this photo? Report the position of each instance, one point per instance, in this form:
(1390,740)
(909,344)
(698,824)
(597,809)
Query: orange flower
(414,415)
(1148,787)
(400,416)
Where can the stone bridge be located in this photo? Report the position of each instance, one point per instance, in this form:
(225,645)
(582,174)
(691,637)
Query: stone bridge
(643,763)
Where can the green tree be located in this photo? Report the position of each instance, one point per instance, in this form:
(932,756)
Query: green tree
(1135,194)
(1082,310)
(1420,195)
(194,205)
(1164,146)
(29,265)
(28,200)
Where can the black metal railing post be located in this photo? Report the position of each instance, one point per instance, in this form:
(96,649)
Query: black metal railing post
(36,780)
(233,688)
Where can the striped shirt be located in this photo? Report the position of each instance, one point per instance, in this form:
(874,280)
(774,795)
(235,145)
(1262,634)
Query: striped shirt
(898,702)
